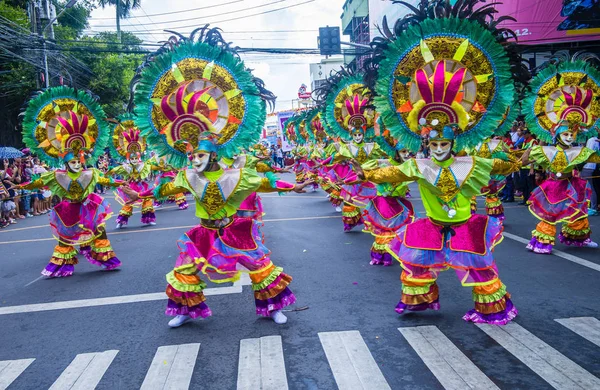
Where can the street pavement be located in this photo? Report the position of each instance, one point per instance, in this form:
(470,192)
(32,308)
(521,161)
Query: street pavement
(107,330)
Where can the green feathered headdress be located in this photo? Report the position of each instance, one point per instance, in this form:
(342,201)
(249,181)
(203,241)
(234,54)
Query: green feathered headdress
(199,93)
(289,127)
(62,123)
(509,118)
(564,96)
(301,129)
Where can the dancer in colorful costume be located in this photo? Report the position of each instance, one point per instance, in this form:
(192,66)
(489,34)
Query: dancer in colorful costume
(434,76)
(389,210)
(197,102)
(130,145)
(168,174)
(345,100)
(563,108)
(304,167)
(66,127)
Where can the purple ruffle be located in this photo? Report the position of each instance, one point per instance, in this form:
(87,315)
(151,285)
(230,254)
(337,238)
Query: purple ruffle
(348,227)
(384,259)
(402,307)
(283,299)
(148,217)
(501,318)
(85,250)
(538,247)
(58,271)
(108,265)
(183,205)
(122,219)
(200,310)
(573,242)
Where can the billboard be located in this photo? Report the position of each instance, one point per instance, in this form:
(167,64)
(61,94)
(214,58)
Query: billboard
(549,21)
(538,21)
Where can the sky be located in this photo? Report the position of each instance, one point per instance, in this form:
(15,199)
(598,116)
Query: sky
(293,27)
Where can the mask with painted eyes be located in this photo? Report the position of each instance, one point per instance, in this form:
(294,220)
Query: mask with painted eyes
(75,166)
(134,160)
(200,161)
(567,138)
(440,150)
(358,137)
(403,155)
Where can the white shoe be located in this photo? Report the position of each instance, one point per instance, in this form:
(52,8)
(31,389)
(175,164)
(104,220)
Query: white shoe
(278,317)
(152,223)
(591,244)
(338,209)
(119,225)
(179,320)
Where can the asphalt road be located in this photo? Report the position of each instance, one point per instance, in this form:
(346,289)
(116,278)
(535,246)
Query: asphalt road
(332,278)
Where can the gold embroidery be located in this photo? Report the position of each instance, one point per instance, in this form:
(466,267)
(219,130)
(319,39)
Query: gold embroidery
(485,151)
(75,190)
(361,156)
(447,185)
(559,163)
(212,200)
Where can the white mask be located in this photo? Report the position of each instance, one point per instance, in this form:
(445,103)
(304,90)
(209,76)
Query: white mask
(440,150)
(200,161)
(567,138)
(358,137)
(75,166)
(404,154)
(134,160)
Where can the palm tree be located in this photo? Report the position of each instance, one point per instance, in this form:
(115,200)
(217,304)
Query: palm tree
(124,8)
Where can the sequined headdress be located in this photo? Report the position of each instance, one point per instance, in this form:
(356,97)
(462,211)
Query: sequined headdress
(127,140)
(564,96)
(346,104)
(61,124)
(195,93)
(317,126)
(301,127)
(443,70)
(289,126)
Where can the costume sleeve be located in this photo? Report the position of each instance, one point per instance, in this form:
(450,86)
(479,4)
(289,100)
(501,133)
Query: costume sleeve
(32,185)
(271,185)
(405,172)
(162,191)
(264,168)
(504,168)
(118,170)
(538,156)
(594,158)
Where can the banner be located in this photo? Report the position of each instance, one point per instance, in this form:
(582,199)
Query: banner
(550,21)
(281,118)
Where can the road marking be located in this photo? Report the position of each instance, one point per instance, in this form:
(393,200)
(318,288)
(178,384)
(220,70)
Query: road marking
(554,367)
(36,307)
(449,365)
(11,369)
(85,371)
(154,229)
(46,225)
(261,364)
(244,280)
(566,256)
(351,361)
(586,327)
(172,367)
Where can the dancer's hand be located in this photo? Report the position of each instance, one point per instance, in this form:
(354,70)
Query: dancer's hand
(358,169)
(133,196)
(299,188)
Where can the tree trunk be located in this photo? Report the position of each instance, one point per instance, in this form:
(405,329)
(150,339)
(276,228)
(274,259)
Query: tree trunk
(118,6)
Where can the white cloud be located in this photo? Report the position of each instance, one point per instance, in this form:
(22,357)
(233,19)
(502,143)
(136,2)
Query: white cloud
(282,74)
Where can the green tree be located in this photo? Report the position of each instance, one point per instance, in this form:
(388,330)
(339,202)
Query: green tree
(123,10)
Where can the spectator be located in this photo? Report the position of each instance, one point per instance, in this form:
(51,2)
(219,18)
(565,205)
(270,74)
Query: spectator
(279,157)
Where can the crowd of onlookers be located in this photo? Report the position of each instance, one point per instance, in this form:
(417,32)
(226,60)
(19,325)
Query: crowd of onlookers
(16,204)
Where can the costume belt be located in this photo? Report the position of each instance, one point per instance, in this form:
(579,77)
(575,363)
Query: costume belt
(215,223)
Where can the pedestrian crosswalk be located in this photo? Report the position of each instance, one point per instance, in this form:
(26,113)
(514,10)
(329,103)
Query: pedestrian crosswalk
(262,361)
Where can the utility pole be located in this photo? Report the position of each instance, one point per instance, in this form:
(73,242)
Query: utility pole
(118,20)
(33,20)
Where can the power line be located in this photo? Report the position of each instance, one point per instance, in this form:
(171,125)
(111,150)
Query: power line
(236,18)
(213,15)
(182,11)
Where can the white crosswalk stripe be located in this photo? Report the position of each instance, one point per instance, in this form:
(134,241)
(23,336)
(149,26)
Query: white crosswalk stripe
(586,327)
(85,371)
(555,368)
(449,365)
(172,367)
(261,364)
(351,361)
(11,369)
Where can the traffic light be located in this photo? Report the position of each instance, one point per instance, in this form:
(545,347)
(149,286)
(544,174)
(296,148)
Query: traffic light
(329,41)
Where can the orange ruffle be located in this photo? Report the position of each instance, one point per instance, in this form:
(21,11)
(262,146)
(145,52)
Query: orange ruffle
(101,243)
(126,210)
(411,283)
(491,308)
(63,249)
(284,281)
(581,224)
(187,279)
(488,289)
(189,301)
(259,276)
(431,296)
(546,228)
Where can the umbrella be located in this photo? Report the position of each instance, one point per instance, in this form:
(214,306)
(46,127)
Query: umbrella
(10,152)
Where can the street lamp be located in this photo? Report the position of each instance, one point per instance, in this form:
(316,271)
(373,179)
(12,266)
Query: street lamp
(70,4)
